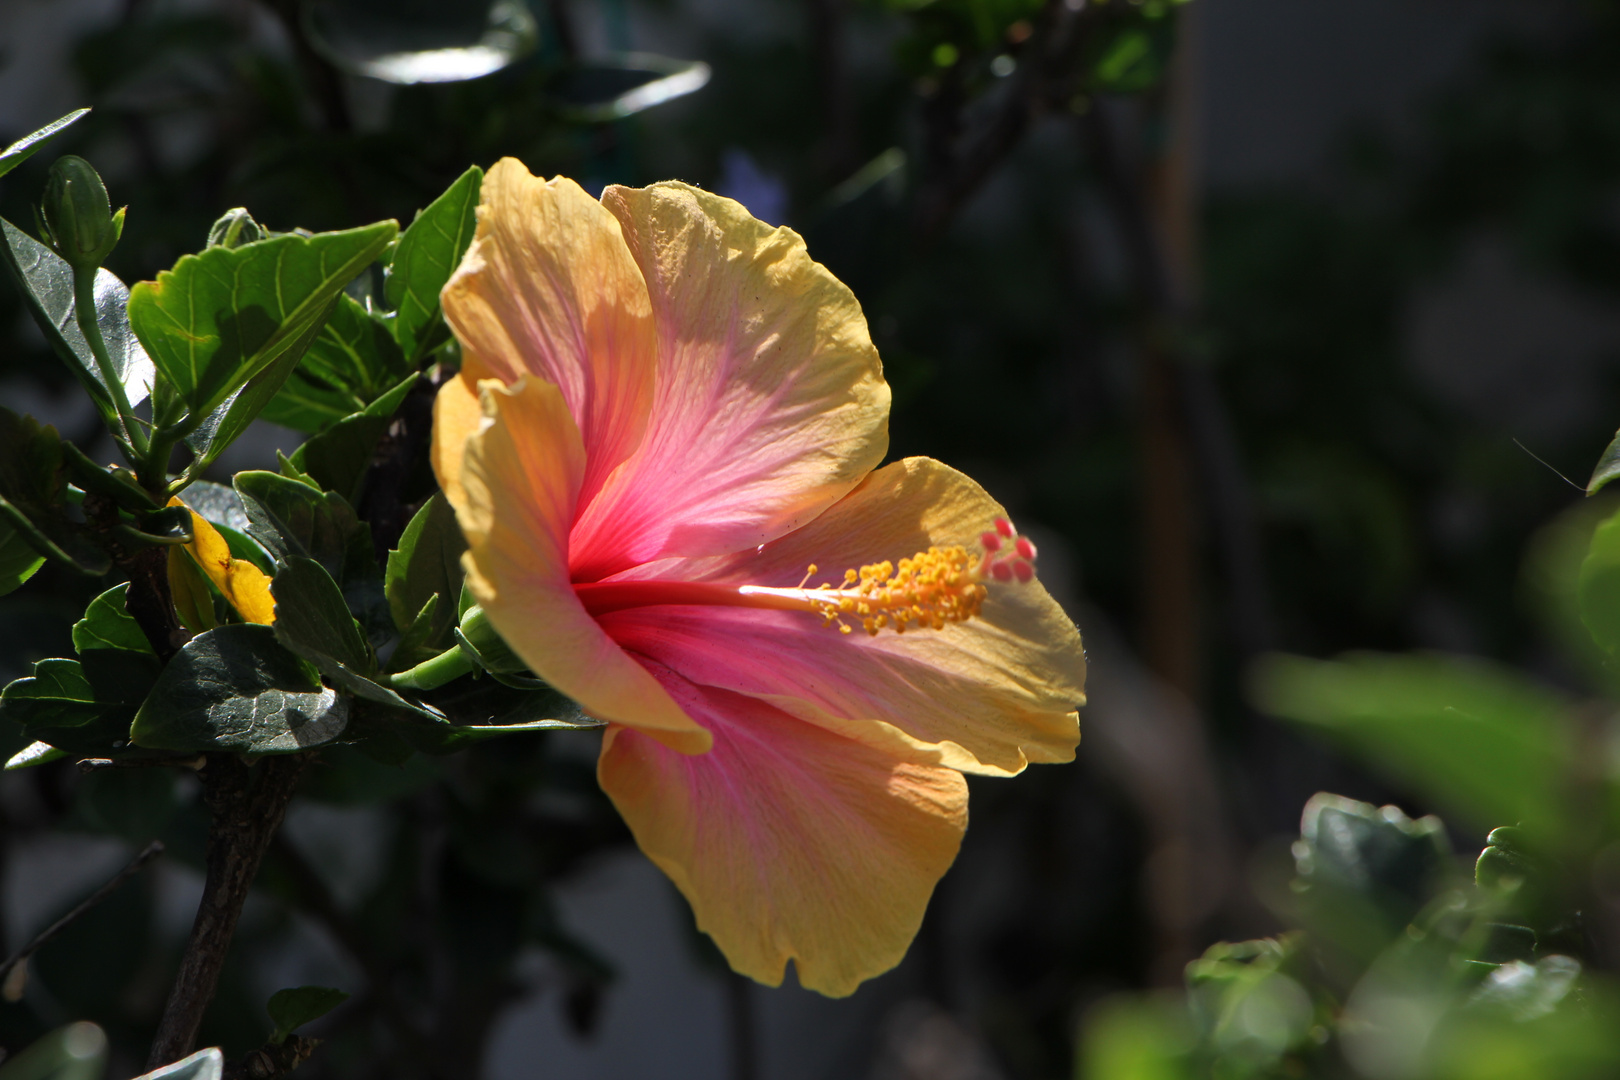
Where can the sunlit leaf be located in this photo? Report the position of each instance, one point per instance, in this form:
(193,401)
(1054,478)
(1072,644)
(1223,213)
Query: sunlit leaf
(107,625)
(222,319)
(46,284)
(25,147)
(235,688)
(353,360)
(428,253)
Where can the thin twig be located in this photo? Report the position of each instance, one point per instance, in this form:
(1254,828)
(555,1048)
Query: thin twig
(245,807)
(150,852)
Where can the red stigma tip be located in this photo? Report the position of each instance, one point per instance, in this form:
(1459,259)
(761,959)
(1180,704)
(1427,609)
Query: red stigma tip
(1025,548)
(990,541)
(1002,571)
(1024,572)
(1005,528)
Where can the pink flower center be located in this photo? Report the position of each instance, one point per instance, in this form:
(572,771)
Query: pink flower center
(932,588)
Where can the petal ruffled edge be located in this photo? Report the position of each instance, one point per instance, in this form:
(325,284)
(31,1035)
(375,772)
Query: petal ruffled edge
(548,288)
(789,841)
(769,404)
(519,486)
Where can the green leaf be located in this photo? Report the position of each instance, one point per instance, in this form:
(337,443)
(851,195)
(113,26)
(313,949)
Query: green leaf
(35,753)
(313,621)
(192,593)
(75,1052)
(338,457)
(484,709)
(18,560)
(1481,740)
(25,147)
(235,688)
(217,504)
(117,484)
(426,567)
(83,706)
(1598,587)
(1608,466)
(352,361)
(428,253)
(291,1009)
(291,519)
(107,625)
(33,486)
(206,1064)
(1363,873)
(46,284)
(223,317)
(226,424)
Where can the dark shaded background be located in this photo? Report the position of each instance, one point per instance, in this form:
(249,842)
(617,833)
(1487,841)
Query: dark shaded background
(1260,339)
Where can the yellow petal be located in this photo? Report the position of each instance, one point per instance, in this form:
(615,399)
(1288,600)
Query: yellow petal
(520,482)
(770,400)
(789,841)
(456,415)
(244,585)
(548,288)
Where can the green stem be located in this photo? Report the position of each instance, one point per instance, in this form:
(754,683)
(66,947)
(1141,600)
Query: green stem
(451,664)
(84,308)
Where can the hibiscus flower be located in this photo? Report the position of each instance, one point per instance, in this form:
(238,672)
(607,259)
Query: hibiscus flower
(667,418)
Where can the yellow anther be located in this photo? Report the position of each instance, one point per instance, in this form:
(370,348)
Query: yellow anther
(928,590)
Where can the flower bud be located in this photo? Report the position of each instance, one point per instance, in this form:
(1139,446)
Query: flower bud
(493,651)
(81,226)
(234,229)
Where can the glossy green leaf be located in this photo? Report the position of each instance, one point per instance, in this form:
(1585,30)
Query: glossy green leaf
(25,147)
(291,1009)
(218,504)
(479,709)
(290,519)
(235,688)
(1480,740)
(428,253)
(313,621)
(107,625)
(351,362)
(226,424)
(338,457)
(219,319)
(425,568)
(46,284)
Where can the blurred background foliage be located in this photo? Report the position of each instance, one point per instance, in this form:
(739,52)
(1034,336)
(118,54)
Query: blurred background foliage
(1208,408)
